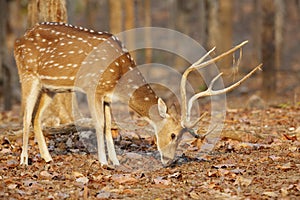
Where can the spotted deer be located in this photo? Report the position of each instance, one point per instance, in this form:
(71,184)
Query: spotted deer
(51,58)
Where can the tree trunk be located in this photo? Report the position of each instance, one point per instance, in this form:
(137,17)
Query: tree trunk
(268,50)
(60,110)
(148,51)
(202,22)
(183,16)
(129,24)
(225,27)
(115,16)
(212,28)
(5,70)
(48,10)
(256,29)
(279,23)
(91,13)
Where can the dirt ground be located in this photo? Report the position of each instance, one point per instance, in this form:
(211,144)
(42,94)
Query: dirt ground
(257,157)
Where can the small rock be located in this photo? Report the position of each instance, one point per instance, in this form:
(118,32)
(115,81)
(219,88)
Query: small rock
(103,194)
(12,186)
(46,174)
(88,140)
(12,163)
(83,180)
(5,151)
(160,180)
(69,143)
(133,155)
(62,195)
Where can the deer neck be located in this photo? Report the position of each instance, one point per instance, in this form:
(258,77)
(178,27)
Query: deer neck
(144,102)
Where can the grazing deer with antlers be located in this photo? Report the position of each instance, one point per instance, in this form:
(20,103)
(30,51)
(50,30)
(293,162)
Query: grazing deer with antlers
(51,58)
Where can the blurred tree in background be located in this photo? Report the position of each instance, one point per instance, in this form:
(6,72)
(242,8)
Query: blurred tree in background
(60,109)
(5,70)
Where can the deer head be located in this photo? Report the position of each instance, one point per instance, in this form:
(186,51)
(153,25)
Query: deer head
(170,128)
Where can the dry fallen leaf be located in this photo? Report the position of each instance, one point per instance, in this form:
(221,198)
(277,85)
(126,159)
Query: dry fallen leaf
(194,195)
(175,175)
(123,178)
(290,137)
(85,192)
(270,194)
(228,165)
(128,191)
(284,192)
(237,171)
(46,174)
(224,172)
(285,167)
(160,180)
(294,148)
(133,155)
(243,181)
(298,186)
(274,158)
(297,133)
(77,174)
(115,133)
(12,186)
(212,173)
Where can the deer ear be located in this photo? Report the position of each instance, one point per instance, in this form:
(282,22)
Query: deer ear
(162,108)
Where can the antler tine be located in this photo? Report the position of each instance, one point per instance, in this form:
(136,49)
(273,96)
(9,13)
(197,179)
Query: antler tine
(202,58)
(190,125)
(213,60)
(207,92)
(185,116)
(211,92)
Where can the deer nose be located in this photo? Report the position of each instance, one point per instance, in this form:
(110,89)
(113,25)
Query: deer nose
(166,161)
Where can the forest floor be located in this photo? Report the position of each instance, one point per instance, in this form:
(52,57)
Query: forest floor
(257,157)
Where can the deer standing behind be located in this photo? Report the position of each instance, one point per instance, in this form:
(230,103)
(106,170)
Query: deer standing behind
(51,58)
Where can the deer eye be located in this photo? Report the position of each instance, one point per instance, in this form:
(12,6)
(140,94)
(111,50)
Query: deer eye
(173,136)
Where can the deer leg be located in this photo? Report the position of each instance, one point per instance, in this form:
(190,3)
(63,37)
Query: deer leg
(44,101)
(109,140)
(96,107)
(30,93)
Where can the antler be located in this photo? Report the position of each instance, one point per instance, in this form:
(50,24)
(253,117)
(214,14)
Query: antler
(186,108)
